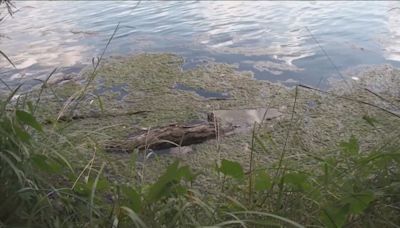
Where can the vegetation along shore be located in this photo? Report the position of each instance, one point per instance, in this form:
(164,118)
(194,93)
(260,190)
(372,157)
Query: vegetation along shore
(140,141)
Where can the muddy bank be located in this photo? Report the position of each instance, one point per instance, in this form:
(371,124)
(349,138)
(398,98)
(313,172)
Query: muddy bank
(155,91)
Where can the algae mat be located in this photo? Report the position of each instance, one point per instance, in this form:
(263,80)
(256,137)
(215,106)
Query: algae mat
(140,92)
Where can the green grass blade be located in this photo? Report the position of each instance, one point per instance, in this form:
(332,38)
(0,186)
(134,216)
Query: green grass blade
(285,220)
(133,216)
(93,192)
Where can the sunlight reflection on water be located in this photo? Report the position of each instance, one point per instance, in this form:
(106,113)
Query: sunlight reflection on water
(44,35)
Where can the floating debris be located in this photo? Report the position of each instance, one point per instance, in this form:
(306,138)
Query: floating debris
(243,120)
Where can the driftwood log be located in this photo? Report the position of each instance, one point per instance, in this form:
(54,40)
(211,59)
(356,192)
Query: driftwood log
(218,123)
(166,137)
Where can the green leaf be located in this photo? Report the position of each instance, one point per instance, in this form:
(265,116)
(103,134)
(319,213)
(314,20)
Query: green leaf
(21,133)
(45,164)
(102,184)
(231,168)
(30,106)
(179,189)
(370,120)
(82,189)
(100,104)
(163,185)
(28,119)
(334,216)
(351,147)
(359,201)
(132,197)
(262,181)
(186,173)
(298,180)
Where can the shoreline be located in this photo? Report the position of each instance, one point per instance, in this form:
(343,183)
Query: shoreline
(149,85)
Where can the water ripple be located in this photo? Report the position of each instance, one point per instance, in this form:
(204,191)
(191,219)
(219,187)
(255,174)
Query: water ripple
(43,35)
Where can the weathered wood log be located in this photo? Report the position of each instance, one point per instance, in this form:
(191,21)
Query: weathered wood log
(166,137)
(219,122)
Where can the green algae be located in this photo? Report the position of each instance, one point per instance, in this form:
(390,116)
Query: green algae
(318,124)
(149,81)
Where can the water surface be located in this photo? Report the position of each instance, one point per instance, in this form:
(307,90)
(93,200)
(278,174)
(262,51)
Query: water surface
(272,39)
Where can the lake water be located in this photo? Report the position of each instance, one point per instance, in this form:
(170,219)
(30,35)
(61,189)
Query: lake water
(278,41)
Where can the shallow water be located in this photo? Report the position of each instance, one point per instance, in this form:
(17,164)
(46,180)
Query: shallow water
(269,38)
(202,92)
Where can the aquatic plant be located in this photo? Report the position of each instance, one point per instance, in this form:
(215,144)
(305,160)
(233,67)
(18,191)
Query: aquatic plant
(44,185)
